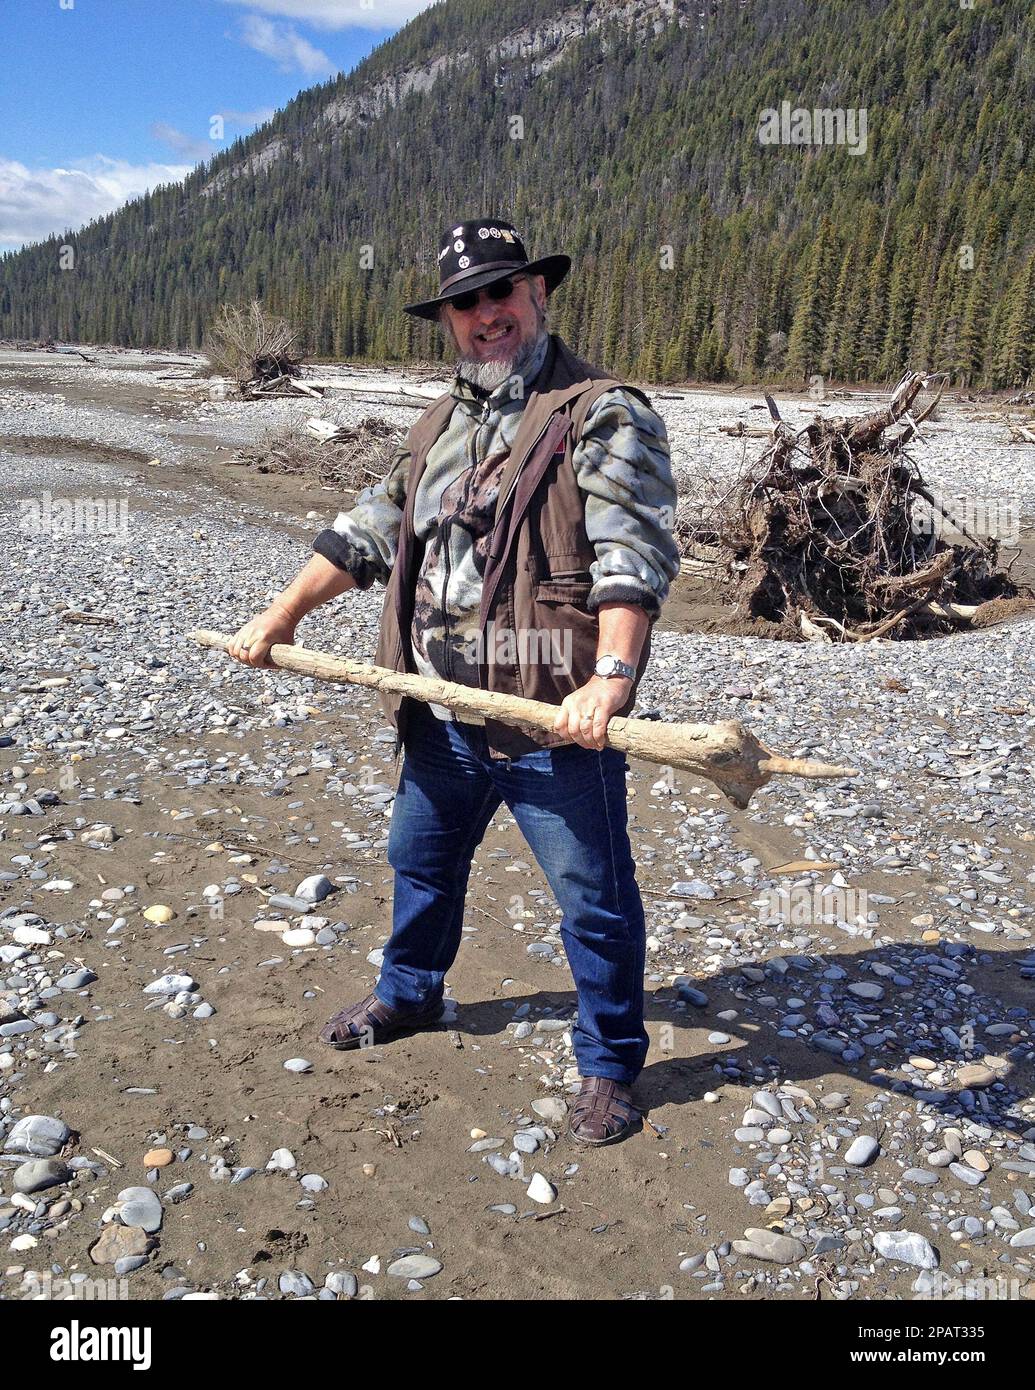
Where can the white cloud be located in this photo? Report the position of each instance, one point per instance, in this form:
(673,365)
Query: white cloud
(341,14)
(34,203)
(259,116)
(286,46)
(187,146)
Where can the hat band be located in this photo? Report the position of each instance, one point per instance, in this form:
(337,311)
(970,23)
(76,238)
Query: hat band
(477,270)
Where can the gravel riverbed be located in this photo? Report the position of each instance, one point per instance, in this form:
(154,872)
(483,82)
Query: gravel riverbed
(839,1092)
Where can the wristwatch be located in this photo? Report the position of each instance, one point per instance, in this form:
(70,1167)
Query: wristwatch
(613,666)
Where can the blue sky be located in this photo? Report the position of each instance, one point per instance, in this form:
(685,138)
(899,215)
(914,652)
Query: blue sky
(101,99)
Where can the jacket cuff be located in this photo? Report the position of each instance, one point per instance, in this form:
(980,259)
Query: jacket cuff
(345,556)
(622,589)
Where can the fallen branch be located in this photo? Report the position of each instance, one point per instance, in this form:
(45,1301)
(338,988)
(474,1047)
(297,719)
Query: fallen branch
(399,402)
(416,394)
(97,618)
(726,753)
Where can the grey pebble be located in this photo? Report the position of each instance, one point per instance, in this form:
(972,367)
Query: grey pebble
(139,1206)
(343,1283)
(861,1151)
(294,1282)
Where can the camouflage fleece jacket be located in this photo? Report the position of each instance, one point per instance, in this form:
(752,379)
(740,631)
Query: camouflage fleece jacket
(623,470)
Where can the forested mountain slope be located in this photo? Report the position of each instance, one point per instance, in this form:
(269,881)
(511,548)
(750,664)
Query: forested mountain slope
(625,132)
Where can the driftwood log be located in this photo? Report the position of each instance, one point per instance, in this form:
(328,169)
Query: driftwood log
(725,753)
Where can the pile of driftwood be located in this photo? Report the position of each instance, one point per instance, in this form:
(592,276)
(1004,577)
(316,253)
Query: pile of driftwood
(341,456)
(258,351)
(833,535)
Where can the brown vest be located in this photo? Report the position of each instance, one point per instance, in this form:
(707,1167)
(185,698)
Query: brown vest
(537,573)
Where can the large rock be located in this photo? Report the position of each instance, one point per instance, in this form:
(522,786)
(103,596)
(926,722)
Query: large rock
(540,1190)
(140,1206)
(314,888)
(974,1076)
(39,1135)
(907,1247)
(414,1267)
(770,1246)
(100,835)
(31,936)
(171,984)
(40,1173)
(75,979)
(288,902)
(119,1243)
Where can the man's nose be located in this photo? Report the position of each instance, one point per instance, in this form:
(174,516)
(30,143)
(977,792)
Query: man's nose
(487,308)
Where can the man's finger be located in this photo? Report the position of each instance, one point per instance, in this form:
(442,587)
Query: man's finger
(581,724)
(567,720)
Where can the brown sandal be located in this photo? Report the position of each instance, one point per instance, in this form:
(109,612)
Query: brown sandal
(602,1113)
(371,1022)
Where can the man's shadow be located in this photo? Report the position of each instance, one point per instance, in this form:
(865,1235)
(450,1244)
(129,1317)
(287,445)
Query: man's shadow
(946,1025)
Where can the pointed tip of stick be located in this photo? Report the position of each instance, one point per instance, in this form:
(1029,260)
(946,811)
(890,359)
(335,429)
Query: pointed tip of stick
(805,767)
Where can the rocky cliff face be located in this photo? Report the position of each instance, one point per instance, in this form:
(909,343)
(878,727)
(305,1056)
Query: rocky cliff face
(533,50)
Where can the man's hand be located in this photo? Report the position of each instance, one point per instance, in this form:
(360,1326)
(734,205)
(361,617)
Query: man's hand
(251,645)
(318,583)
(584,713)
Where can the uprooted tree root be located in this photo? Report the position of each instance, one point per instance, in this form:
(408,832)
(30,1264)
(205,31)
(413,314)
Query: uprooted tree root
(835,535)
(256,349)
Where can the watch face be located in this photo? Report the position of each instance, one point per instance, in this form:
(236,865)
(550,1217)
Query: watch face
(605,666)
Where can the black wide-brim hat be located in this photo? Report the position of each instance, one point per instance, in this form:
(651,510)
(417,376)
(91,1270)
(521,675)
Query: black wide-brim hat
(474,254)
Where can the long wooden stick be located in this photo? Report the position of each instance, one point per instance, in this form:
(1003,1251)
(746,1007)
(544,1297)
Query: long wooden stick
(725,753)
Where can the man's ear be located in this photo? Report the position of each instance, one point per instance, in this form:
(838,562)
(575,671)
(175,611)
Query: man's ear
(539,281)
(447,328)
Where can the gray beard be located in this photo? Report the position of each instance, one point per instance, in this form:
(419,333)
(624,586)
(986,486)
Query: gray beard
(496,370)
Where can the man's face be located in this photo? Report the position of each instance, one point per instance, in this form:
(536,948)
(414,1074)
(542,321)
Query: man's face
(497,330)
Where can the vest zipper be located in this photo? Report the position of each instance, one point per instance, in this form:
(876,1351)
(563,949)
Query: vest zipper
(501,511)
(472,458)
(445,602)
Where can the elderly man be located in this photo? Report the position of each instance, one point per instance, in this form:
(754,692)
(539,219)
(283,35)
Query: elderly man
(524,533)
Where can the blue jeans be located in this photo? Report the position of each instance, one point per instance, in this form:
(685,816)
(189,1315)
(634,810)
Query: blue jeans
(570,804)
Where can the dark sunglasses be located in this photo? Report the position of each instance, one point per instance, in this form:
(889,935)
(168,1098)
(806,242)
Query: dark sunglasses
(498,290)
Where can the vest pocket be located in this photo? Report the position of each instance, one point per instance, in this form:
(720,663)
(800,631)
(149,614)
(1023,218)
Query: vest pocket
(560,579)
(562,590)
